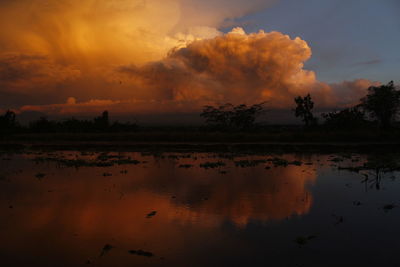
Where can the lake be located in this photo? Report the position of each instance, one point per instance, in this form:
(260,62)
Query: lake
(73,208)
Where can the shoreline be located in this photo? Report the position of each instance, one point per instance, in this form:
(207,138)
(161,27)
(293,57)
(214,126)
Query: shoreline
(245,147)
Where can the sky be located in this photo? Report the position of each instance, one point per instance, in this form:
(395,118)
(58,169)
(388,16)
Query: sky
(71,57)
(350,39)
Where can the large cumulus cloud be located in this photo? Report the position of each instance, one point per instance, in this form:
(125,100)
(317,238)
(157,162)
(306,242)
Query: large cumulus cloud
(151,56)
(241,68)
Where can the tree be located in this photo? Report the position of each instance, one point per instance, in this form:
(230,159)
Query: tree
(304,109)
(244,117)
(102,122)
(348,118)
(8,121)
(382,103)
(43,125)
(228,116)
(218,116)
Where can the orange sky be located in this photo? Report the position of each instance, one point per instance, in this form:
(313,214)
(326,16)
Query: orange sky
(135,56)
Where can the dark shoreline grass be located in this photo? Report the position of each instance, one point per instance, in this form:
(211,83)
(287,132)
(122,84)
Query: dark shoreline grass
(292,140)
(289,135)
(248,148)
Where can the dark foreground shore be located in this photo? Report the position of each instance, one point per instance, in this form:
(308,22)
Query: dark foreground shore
(252,148)
(280,141)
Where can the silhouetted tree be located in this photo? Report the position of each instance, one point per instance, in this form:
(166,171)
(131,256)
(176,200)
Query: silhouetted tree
(348,118)
(75,125)
(229,116)
(8,120)
(383,103)
(43,125)
(102,122)
(218,116)
(304,109)
(244,117)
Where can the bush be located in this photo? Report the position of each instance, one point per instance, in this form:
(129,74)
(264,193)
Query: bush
(349,118)
(230,117)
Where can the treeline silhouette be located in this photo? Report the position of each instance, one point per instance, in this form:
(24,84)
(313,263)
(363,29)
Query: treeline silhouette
(9,124)
(379,109)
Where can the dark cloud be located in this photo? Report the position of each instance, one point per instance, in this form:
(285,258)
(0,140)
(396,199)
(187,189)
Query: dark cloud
(368,62)
(21,72)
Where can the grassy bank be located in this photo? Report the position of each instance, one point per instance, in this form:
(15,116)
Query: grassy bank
(295,140)
(184,135)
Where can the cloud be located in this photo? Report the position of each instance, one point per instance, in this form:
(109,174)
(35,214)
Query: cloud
(369,62)
(151,56)
(23,72)
(118,107)
(112,31)
(94,36)
(349,93)
(241,68)
(235,67)
(232,67)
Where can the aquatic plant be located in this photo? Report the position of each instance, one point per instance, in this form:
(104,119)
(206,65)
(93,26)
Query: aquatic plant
(141,253)
(212,165)
(303,240)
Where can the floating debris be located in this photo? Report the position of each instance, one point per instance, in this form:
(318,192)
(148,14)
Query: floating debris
(141,253)
(99,162)
(339,219)
(336,159)
(40,175)
(248,163)
(212,165)
(388,207)
(279,162)
(284,163)
(151,214)
(186,166)
(106,249)
(296,163)
(302,240)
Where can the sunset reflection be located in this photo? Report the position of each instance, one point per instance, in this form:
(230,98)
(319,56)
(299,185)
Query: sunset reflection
(71,204)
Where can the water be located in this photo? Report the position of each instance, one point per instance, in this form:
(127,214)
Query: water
(69,208)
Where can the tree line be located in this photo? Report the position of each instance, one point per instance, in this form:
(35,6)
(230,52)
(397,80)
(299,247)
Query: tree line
(380,107)
(9,124)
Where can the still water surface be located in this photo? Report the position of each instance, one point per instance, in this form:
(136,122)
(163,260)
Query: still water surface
(72,208)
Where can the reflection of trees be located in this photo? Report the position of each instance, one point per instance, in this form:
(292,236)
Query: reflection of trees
(189,203)
(186,195)
(373,179)
(245,194)
(376,168)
